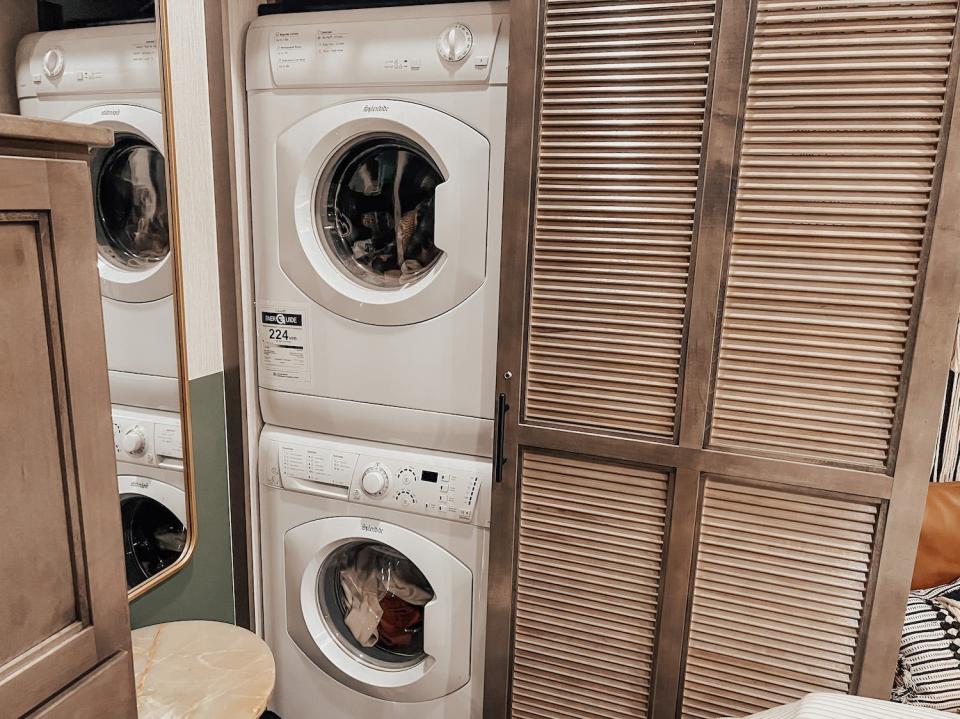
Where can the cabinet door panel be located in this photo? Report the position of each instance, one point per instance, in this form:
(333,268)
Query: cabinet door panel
(32,445)
(63,604)
(588,586)
(838,173)
(781,581)
(622,118)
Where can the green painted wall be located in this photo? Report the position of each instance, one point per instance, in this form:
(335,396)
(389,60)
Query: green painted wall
(204,588)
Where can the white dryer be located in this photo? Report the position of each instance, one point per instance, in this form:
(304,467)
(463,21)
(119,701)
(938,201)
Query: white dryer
(376,150)
(110,76)
(153,506)
(374,577)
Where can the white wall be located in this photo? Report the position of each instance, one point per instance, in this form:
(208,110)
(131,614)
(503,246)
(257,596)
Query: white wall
(191,121)
(237,16)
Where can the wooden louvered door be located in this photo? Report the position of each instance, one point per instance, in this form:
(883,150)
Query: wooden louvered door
(729,286)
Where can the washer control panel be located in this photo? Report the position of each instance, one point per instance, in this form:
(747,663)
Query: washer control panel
(147,437)
(437,484)
(375,480)
(423,487)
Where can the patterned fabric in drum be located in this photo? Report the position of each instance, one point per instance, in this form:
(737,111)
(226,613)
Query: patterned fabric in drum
(928,673)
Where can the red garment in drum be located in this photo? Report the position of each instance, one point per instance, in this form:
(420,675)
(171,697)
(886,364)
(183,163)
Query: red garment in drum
(399,623)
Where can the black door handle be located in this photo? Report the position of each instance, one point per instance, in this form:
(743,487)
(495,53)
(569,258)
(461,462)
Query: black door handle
(500,419)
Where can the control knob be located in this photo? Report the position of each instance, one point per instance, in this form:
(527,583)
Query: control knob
(455,42)
(375,480)
(134,441)
(52,63)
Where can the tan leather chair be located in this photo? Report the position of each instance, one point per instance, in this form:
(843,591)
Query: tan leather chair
(938,555)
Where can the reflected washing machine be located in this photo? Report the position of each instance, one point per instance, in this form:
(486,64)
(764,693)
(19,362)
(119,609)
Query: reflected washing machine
(110,76)
(376,152)
(153,505)
(374,575)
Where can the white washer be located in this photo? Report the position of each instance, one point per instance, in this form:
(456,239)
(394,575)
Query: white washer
(110,76)
(153,506)
(376,151)
(374,577)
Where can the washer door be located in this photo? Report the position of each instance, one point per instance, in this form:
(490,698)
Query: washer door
(130,204)
(383,210)
(379,608)
(153,517)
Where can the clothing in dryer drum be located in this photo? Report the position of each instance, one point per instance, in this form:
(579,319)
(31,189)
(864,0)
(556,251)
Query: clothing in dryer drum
(373,597)
(375,208)
(130,195)
(153,537)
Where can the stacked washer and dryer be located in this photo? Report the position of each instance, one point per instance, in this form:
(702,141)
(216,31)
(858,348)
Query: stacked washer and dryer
(376,151)
(110,76)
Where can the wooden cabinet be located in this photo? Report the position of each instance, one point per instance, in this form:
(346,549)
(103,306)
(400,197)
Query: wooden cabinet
(730,286)
(64,620)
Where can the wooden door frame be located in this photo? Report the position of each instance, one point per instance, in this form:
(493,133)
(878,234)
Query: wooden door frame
(522,124)
(688,460)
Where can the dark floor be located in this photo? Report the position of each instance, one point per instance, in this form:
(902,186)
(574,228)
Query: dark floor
(269,715)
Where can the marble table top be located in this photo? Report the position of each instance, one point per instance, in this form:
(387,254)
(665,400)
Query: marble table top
(201,670)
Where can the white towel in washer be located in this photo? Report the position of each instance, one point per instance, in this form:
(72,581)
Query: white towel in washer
(364,584)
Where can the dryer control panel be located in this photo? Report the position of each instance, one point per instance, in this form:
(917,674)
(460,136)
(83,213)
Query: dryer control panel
(384,47)
(85,61)
(441,485)
(147,437)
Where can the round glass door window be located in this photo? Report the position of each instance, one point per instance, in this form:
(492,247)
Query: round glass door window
(372,598)
(374,209)
(130,200)
(153,538)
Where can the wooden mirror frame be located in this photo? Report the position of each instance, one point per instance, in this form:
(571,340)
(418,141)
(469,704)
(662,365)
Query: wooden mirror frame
(173,204)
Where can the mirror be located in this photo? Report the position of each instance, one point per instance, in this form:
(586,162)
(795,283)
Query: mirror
(99,62)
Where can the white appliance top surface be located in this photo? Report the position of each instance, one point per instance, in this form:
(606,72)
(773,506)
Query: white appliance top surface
(89,61)
(441,485)
(390,46)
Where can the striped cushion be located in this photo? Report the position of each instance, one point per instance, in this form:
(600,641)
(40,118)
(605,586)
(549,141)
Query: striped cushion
(838,706)
(928,673)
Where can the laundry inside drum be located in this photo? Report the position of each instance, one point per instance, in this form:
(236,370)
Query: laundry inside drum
(153,538)
(130,198)
(375,206)
(373,599)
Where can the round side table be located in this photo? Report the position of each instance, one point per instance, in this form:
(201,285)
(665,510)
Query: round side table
(201,670)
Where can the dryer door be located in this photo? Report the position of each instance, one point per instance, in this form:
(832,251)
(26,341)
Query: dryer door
(383,210)
(153,516)
(379,608)
(130,204)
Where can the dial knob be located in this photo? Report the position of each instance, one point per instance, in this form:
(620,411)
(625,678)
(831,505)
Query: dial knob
(52,63)
(455,43)
(375,480)
(134,441)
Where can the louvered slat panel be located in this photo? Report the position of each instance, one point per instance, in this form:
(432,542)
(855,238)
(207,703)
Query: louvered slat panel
(843,120)
(621,126)
(588,581)
(778,597)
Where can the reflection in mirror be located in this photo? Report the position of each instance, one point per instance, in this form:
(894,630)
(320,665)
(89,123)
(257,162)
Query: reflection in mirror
(98,62)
